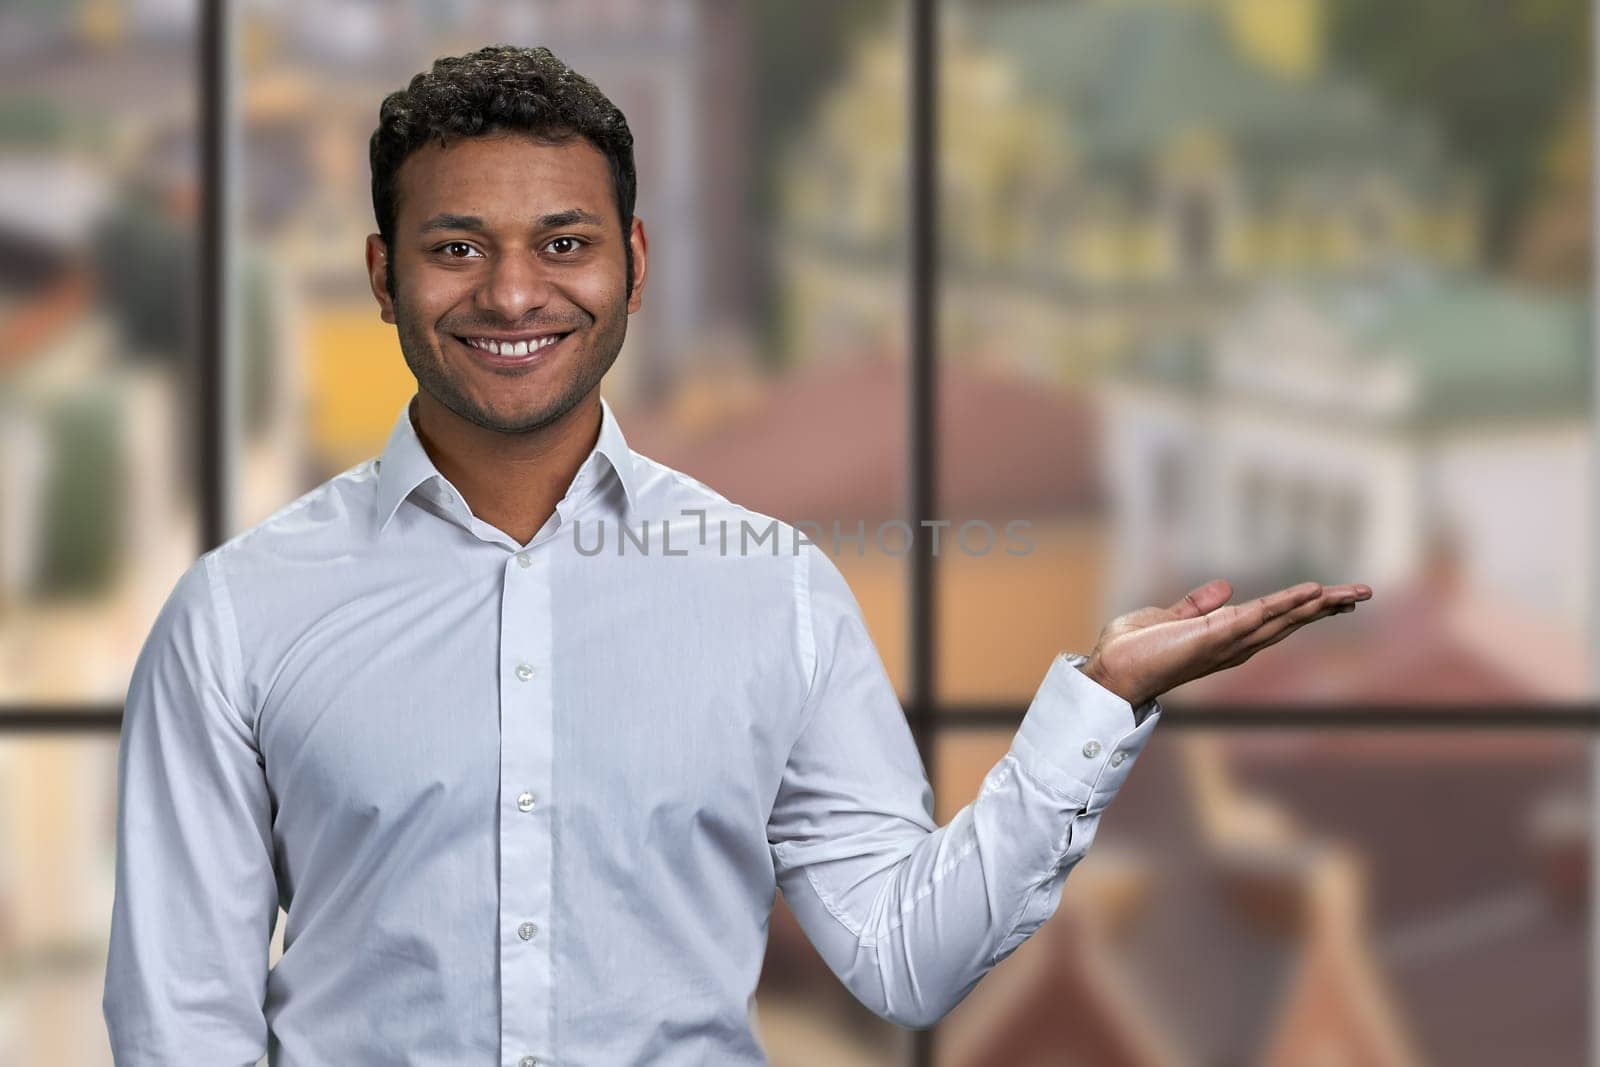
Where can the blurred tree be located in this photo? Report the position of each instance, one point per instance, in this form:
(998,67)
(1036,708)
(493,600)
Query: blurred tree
(1553,245)
(1497,76)
(800,50)
(84,501)
(145,262)
(31,122)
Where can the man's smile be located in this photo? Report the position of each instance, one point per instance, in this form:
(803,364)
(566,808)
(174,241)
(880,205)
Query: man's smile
(521,344)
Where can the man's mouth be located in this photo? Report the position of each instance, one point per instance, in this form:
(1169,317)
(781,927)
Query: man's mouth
(511,347)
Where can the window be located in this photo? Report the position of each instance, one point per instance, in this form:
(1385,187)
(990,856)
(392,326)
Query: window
(1267,790)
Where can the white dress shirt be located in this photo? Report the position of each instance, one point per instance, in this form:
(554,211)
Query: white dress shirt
(530,804)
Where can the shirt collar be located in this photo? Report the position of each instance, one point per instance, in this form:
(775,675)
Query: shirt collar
(404,464)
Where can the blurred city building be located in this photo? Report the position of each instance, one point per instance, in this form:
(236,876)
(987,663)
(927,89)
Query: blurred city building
(1369,429)
(1113,172)
(849,485)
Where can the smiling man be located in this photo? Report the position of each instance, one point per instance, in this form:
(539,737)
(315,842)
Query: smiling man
(526,804)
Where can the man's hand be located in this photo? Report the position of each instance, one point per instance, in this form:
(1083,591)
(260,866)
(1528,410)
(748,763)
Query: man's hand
(1144,653)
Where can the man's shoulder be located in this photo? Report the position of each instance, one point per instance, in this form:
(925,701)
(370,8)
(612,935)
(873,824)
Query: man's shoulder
(667,494)
(327,516)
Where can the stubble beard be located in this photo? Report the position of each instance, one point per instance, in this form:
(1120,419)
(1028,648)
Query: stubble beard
(422,346)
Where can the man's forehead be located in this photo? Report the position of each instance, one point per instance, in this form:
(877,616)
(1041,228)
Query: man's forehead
(484,176)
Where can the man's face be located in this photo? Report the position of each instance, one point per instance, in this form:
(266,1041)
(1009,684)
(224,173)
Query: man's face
(504,239)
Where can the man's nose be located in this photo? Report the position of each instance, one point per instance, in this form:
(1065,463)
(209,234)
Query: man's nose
(517,284)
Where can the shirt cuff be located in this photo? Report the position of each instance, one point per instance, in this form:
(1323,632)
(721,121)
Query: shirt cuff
(1080,737)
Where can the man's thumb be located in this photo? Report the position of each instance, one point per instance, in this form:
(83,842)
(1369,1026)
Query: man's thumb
(1203,599)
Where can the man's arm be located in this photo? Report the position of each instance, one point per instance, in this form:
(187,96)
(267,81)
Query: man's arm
(196,895)
(909,915)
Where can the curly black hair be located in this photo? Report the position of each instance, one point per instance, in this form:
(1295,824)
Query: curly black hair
(497,89)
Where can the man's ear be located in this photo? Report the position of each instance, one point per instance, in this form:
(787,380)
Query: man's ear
(641,245)
(378,275)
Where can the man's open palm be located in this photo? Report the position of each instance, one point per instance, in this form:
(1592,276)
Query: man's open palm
(1144,653)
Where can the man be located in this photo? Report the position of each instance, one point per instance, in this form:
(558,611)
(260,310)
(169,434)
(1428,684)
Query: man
(527,801)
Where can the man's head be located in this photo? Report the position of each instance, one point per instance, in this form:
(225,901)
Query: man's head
(503,186)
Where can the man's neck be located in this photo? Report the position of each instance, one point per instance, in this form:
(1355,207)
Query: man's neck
(511,481)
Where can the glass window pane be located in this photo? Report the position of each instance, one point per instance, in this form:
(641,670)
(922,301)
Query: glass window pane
(58,837)
(1277,297)
(1306,897)
(97,343)
(767,359)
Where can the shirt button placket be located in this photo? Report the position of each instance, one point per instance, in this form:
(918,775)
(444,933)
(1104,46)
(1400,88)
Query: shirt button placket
(525,752)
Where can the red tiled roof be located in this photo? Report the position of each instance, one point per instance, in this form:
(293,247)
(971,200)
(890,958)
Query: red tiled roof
(831,441)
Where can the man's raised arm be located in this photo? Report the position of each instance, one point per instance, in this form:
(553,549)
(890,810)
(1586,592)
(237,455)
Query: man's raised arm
(196,895)
(910,915)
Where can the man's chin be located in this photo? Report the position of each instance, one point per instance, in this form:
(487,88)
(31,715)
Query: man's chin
(510,414)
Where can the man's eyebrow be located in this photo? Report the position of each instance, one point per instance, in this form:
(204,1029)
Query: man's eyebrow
(447,221)
(569,217)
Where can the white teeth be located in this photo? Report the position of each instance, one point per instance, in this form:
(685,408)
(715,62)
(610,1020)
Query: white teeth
(513,348)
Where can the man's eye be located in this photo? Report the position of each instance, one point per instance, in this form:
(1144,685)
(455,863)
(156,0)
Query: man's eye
(572,241)
(457,249)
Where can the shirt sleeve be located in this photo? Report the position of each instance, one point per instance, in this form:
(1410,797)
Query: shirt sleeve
(910,915)
(196,895)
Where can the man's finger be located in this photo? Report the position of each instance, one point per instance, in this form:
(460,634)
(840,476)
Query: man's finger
(1236,624)
(1284,625)
(1335,600)
(1255,643)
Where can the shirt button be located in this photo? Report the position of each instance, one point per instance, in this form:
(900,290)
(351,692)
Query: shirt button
(528,1061)
(1117,757)
(1091,749)
(524,671)
(525,802)
(526,931)
(524,561)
